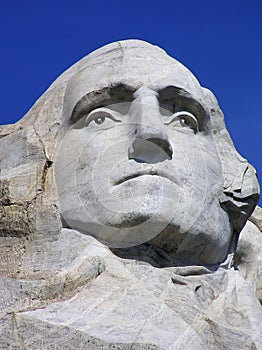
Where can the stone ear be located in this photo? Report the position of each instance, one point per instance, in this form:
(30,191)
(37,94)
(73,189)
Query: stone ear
(241,189)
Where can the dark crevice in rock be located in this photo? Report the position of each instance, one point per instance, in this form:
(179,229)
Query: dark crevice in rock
(47,165)
(48,162)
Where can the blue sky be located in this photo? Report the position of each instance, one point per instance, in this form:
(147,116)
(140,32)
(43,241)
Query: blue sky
(219,41)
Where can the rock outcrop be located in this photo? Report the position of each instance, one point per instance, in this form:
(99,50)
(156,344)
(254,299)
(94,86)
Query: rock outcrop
(74,276)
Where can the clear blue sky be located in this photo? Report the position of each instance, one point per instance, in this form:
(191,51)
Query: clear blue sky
(220,41)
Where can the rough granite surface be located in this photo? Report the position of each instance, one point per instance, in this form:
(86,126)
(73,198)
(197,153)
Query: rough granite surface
(61,288)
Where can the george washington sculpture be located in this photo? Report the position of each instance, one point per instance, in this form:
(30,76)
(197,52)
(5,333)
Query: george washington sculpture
(122,202)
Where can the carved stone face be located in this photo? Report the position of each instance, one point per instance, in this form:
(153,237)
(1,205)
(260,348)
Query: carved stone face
(138,162)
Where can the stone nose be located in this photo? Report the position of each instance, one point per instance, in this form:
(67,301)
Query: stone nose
(151,150)
(151,143)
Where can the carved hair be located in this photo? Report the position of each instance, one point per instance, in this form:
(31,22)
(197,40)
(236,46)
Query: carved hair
(241,189)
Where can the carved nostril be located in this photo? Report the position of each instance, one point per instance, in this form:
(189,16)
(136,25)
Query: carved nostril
(152,150)
(163,144)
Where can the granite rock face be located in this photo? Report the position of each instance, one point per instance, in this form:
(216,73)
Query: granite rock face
(125,214)
(248,256)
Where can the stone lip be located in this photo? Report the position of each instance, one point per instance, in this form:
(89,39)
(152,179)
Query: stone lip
(144,169)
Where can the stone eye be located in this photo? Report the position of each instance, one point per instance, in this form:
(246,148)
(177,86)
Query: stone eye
(101,116)
(184,119)
(183,122)
(192,123)
(99,120)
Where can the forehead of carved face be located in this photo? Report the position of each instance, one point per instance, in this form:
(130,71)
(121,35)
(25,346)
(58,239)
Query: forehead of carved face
(138,162)
(113,76)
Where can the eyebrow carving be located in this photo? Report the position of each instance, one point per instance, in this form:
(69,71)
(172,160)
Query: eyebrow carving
(179,100)
(100,98)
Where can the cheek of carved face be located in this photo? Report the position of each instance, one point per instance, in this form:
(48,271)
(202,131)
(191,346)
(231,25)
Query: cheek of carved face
(120,166)
(140,176)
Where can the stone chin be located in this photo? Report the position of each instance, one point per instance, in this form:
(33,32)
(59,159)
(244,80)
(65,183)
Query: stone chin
(203,241)
(191,231)
(180,229)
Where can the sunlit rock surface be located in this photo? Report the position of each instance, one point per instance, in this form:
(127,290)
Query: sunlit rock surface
(124,213)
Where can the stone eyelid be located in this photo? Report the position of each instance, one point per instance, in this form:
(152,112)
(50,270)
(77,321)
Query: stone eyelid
(98,115)
(183,116)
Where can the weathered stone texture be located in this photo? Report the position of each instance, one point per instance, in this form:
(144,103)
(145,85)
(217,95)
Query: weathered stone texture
(184,287)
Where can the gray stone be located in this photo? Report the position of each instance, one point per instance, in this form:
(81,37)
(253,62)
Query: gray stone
(256,217)
(122,201)
(248,257)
